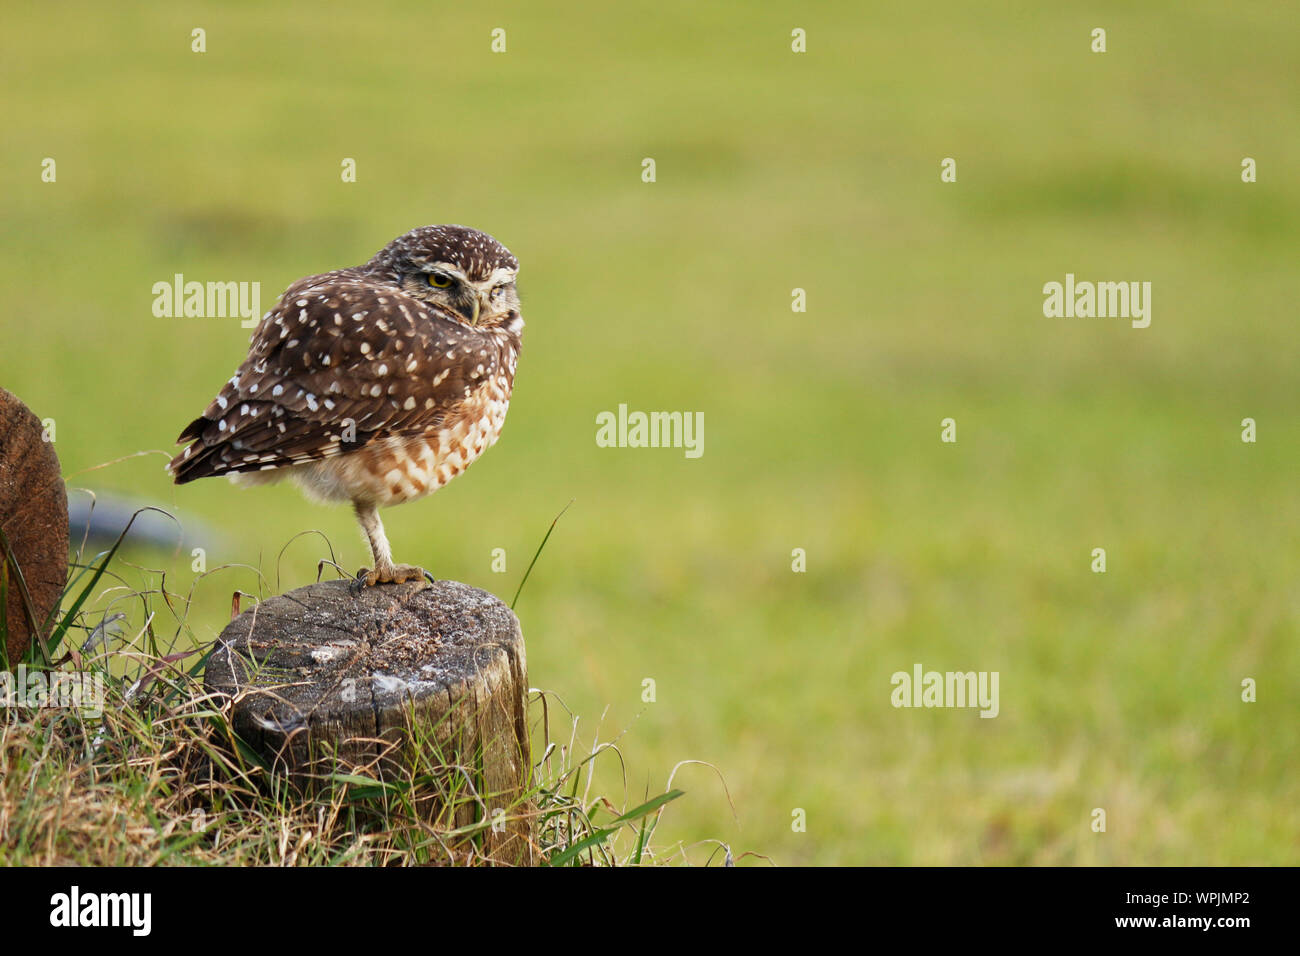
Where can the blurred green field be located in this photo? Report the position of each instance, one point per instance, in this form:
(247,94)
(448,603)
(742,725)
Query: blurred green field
(775,170)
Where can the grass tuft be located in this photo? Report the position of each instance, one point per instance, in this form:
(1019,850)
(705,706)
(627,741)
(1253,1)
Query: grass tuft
(157,775)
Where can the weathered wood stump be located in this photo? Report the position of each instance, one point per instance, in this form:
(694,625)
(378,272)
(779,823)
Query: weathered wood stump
(34,522)
(415,684)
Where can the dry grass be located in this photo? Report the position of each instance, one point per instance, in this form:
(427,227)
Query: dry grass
(156,775)
(161,779)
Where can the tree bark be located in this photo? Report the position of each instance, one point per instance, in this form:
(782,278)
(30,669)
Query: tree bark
(34,520)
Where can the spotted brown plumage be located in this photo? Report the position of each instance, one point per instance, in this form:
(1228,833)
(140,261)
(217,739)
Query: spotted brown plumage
(375,384)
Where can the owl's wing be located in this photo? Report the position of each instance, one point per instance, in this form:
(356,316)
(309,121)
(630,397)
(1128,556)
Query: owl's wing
(338,361)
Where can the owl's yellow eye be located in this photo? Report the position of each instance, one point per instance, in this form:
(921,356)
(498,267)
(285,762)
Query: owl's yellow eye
(439,281)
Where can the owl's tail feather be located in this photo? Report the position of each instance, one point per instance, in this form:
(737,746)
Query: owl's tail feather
(188,464)
(193,430)
(254,444)
(196,461)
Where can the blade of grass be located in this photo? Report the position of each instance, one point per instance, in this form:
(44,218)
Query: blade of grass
(650,806)
(37,627)
(515,599)
(600,836)
(57,637)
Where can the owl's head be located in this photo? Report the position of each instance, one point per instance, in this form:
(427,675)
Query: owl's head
(462,270)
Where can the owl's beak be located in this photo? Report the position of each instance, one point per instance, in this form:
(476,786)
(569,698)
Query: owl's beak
(468,304)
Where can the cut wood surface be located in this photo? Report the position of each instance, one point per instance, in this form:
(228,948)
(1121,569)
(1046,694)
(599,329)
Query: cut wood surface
(34,520)
(334,678)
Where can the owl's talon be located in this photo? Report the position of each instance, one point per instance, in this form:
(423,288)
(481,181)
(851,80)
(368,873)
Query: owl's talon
(393,574)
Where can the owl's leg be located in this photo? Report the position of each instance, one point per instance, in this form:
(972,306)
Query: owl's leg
(384,571)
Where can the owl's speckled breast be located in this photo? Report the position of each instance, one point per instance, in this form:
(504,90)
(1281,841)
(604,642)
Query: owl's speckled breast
(397,469)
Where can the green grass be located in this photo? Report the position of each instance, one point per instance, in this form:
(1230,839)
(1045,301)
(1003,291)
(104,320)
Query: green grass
(147,768)
(775,171)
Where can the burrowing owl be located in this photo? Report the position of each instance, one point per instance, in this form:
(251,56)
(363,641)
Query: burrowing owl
(376,384)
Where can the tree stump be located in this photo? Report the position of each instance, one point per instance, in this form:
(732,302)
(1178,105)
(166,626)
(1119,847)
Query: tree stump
(402,682)
(34,522)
